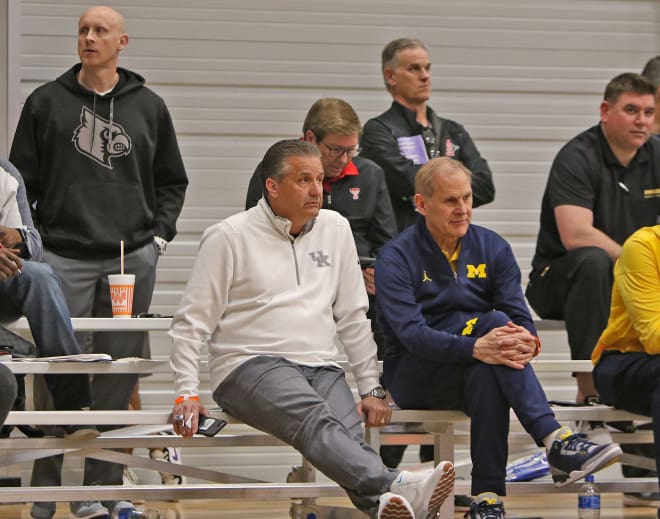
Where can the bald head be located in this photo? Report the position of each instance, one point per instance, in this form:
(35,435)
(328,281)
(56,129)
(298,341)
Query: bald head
(101,38)
(111,15)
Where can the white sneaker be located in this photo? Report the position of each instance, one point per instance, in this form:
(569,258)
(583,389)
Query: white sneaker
(597,432)
(394,506)
(171,455)
(425,490)
(164,454)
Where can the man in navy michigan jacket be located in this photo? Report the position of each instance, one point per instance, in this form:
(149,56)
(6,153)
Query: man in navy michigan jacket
(459,335)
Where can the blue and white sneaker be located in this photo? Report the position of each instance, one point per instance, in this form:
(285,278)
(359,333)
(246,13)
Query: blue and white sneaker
(528,468)
(170,455)
(574,456)
(486,506)
(122,509)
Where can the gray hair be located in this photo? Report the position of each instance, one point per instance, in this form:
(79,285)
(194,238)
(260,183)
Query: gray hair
(426,175)
(274,164)
(390,55)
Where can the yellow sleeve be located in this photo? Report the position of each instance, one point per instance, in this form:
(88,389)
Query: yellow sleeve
(637,276)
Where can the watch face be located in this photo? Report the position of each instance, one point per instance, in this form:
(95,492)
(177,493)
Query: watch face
(377,392)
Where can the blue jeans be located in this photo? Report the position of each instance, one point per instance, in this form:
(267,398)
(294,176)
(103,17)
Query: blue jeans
(7,392)
(85,287)
(37,294)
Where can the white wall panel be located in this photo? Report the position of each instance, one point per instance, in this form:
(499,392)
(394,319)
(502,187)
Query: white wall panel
(522,76)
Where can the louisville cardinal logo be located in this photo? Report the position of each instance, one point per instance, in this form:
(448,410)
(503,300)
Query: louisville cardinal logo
(96,139)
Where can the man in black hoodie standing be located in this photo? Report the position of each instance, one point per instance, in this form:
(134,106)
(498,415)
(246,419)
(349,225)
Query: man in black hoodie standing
(101,164)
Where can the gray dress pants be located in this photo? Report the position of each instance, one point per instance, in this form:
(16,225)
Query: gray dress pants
(313,410)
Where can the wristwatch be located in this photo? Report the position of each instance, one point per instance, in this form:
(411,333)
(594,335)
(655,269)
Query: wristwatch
(161,243)
(377,392)
(23,234)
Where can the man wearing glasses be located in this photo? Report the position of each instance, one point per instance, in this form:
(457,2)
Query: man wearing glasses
(407,135)
(352,185)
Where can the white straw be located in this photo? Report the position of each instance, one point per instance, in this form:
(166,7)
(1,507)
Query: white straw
(121,255)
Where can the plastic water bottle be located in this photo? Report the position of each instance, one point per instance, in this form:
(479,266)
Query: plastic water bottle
(132,513)
(589,500)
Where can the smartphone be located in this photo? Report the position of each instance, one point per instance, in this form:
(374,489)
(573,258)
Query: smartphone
(366,262)
(209,426)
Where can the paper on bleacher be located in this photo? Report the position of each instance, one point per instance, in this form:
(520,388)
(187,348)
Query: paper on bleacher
(80,357)
(142,364)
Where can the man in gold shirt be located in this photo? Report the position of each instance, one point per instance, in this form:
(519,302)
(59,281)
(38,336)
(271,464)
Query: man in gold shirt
(627,356)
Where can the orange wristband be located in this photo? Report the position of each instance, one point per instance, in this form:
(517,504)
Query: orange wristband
(538,345)
(181,399)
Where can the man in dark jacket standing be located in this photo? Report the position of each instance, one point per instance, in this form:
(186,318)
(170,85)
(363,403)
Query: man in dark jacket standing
(101,164)
(407,135)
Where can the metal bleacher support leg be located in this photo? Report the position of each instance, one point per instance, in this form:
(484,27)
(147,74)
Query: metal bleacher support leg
(443,443)
(308,508)
(305,473)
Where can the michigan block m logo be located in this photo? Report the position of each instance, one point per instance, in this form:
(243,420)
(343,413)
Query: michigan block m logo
(476,272)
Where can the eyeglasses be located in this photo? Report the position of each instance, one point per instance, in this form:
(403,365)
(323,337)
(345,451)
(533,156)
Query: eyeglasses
(430,141)
(337,151)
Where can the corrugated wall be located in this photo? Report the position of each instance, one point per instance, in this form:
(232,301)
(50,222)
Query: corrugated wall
(523,76)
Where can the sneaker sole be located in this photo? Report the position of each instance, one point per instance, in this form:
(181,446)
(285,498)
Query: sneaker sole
(396,508)
(443,488)
(604,459)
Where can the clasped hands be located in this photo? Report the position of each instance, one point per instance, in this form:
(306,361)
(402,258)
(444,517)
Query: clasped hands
(510,345)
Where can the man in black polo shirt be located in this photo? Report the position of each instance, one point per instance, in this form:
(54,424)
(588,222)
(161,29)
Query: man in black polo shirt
(407,135)
(604,184)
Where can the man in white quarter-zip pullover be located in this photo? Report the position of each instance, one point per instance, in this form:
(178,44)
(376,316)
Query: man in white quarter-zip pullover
(270,290)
